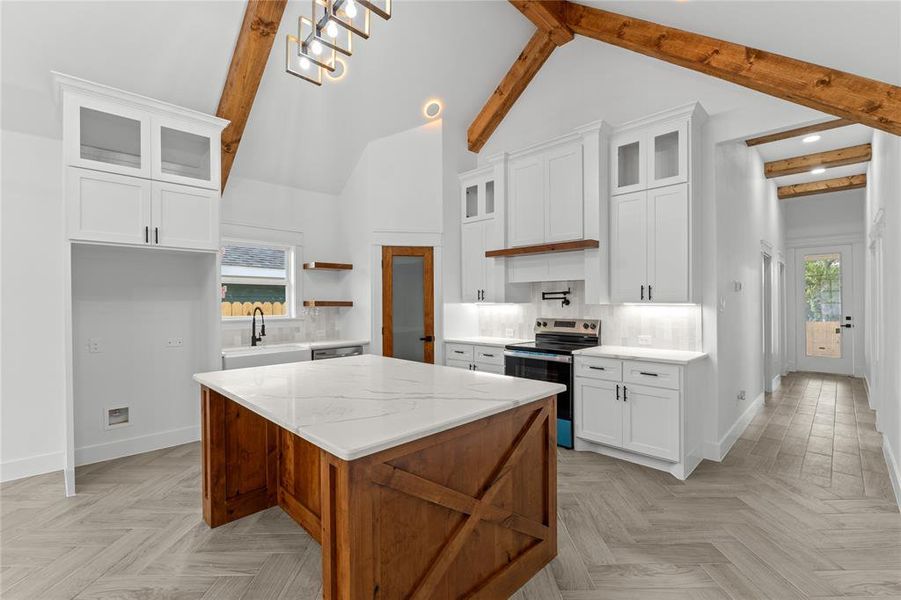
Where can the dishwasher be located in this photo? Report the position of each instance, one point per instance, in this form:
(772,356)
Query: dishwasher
(324,353)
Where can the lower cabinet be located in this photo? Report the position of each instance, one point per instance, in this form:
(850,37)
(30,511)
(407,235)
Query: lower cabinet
(645,418)
(475,358)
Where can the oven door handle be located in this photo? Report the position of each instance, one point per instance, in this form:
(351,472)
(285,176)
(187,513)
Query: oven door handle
(560,358)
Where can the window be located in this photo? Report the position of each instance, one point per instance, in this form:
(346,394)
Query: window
(256,276)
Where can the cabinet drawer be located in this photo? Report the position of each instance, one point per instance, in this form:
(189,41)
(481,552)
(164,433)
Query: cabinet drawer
(459,352)
(458,364)
(648,373)
(489,355)
(595,367)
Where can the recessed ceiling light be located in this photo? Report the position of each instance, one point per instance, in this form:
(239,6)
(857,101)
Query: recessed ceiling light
(818,170)
(432,109)
(811,139)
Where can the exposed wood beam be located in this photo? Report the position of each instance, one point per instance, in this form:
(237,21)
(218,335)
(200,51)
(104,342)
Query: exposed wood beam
(511,87)
(547,15)
(838,184)
(859,99)
(261,21)
(791,133)
(829,158)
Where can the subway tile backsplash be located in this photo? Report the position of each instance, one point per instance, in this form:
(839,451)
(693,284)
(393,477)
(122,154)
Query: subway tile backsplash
(671,327)
(316,324)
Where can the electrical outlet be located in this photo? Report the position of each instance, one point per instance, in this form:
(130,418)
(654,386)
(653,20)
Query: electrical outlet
(644,340)
(94,346)
(742,395)
(176,342)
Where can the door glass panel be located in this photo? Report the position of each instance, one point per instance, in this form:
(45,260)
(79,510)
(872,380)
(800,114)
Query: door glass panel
(109,138)
(408,319)
(627,161)
(472,201)
(489,197)
(666,155)
(823,299)
(185,154)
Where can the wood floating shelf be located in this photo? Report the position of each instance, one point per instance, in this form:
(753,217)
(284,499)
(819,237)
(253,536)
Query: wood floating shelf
(328,303)
(327,266)
(544,248)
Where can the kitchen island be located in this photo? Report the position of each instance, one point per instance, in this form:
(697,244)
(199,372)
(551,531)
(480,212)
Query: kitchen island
(419,481)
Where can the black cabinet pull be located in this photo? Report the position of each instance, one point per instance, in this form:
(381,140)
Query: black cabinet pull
(156,235)
(617,391)
(624,394)
(459,352)
(488,355)
(146,234)
(597,368)
(642,292)
(649,374)
(649,292)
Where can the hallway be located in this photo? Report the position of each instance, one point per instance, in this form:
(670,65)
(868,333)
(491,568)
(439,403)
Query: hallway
(800,508)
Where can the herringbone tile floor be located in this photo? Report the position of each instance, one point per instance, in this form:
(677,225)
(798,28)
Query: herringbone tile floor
(800,508)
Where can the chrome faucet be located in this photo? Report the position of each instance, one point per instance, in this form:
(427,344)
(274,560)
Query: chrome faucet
(254,338)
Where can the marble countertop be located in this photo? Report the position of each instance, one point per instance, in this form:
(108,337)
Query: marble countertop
(678,357)
(484,341)
(359,405)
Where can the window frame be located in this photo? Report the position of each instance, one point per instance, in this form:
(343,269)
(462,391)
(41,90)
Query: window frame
(291,253)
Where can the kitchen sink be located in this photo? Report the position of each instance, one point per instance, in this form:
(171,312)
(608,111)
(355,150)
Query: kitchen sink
(257,356)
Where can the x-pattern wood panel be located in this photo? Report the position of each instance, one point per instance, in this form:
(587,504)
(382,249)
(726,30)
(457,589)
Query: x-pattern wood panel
(801,506)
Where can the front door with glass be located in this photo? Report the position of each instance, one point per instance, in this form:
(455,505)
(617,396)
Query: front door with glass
(825,343)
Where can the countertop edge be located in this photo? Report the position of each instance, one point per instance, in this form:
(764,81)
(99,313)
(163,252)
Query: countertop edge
(487,341)
(375,448)
(597,351)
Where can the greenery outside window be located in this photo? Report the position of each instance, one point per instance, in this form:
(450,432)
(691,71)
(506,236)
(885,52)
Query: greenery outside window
(256,275)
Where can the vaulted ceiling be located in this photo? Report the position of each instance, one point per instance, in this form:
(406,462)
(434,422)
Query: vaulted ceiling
(311,137)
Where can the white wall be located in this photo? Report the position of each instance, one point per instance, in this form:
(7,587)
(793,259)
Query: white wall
(884,284)
(823,215)
(32,373)
(748,215)
(129,302)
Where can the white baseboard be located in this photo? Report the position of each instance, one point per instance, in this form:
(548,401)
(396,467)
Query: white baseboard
(87,455)
(894,472)
(717,451)
(33,465)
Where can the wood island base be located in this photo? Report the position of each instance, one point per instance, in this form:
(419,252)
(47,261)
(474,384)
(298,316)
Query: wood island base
(465,513)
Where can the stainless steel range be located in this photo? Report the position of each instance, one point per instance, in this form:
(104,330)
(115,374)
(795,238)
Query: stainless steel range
(549,358)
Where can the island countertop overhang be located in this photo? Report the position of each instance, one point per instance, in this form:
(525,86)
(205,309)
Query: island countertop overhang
(356,406)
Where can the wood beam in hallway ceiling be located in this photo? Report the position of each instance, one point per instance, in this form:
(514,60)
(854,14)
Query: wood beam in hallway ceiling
(798,132)
(548,16)
(837,184)
(830,158)
(511,87)
(255,39)
(851,97)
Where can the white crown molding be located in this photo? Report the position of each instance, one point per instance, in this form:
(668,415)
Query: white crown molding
(692,110)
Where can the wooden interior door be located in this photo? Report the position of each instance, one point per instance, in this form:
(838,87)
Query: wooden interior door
(408,303)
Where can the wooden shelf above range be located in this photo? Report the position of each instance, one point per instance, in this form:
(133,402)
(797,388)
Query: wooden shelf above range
(544,248)
(327,266)
(328,303)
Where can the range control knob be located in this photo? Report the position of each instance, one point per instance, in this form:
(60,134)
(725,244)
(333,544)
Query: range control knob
(537,323)
(544,323)
(584,325)
(594,325)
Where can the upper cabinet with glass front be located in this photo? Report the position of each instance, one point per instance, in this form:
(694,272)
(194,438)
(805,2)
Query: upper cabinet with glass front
(110,130)
(479,190)
(655,151)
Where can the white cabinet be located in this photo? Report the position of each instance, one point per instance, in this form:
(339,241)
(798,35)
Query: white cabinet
(650,252)
(489,359)
(651,421)
(106,207)
(668,244)
(479,188)
(526,208)
(546,196)
(185,217)
(601,411)
(563,195)
(654,155)
(474,266)
(184,152)
(139,171)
